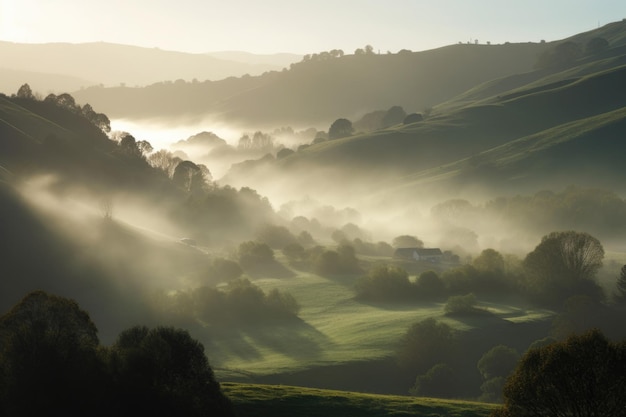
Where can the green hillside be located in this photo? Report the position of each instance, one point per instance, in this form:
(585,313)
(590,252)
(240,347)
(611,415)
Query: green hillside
(263,400)
(320,90)
(537,127)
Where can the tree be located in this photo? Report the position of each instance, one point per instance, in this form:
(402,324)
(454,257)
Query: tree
(48,358)
(128,146)
(25,92)
(164,160)
(384,282)
(584,375)
(189,177)
(563,54)
(499,361)
(294,251)
(440,381)
(164,371)
(489,261)
(621,286)
(461,304)
(395,115)
(277,237)
(412,118)
(596,45)
(426,344)
(224,269)
(284,152)
(253,253)
(340,129)
(565,264)
(406,241)
(429,284)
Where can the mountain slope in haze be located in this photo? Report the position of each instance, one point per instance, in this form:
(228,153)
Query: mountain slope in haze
(114,64)
(279,60)
(321,90)
(538,132)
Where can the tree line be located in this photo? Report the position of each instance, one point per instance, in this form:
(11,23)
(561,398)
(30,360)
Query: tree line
(51,362)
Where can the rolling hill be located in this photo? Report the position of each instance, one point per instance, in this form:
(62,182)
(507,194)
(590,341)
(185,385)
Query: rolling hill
(262,400)
(64,67)
(533,129)
(320,90)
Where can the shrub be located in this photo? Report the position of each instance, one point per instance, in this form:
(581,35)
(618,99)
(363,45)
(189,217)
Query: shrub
(384,283)
(461,304)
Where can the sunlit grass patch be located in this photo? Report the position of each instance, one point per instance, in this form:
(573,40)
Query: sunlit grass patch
(262,400)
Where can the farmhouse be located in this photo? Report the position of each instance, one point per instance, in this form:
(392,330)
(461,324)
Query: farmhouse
(419,254)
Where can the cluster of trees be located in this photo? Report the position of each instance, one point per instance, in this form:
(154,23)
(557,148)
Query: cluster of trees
(486,275)
(52,363)
(220,212)
(567,52)
(563,265)
(259,141)
(445,367)
(239,302)
(369,122)
(67,102)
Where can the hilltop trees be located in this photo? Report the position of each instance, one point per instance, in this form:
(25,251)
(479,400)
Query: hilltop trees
(25,92)
(340,129)
(407,241)
(596,45)
(395,115)
(582,376)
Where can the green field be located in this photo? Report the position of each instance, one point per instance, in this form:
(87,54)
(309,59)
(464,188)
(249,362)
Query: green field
(333,329)
(265,400)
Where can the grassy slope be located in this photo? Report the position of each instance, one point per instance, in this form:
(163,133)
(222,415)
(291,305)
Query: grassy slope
(263,400)
(333,329)
(319,92)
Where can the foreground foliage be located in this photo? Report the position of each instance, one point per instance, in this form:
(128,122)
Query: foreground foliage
(51,363)
(582,376)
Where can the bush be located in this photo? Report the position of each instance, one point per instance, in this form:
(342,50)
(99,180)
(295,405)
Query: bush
(254,253)
(439,381)
(385,283)
(429,285)
(276,236)
(426,344)
(224,269)
(341,261)
(461,304)
(499,361)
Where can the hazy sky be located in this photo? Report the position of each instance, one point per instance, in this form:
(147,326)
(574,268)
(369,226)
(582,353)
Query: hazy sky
(299,26)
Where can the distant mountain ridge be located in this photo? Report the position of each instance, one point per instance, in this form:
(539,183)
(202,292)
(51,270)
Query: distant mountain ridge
(318,91)
(114,64)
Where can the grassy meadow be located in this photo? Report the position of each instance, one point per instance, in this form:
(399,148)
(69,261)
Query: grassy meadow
(333,329)
(263,400)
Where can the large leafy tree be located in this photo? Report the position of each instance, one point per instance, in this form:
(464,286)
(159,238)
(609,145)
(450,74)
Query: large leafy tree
(583,376)
(164,371)
(48,358)
(565,264)
(426,344)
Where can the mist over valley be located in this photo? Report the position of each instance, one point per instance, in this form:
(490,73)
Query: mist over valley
(406,223)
